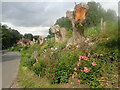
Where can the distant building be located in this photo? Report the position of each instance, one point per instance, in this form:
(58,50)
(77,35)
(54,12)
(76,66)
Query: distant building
(24,41)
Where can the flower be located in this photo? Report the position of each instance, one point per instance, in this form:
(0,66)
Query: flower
(81,70)
(34,56)
(33,64)
(94,63)
(52,48)
(55,48)
(81,57)
(85,58)
(62,77)
(68,46)
(78,81)
(86,69)
(75,69)
(101,55)
(77,46)
(88,54)
(36,60)
(78,64)
(51,52)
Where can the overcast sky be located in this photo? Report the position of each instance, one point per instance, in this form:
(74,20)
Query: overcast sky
(37,17)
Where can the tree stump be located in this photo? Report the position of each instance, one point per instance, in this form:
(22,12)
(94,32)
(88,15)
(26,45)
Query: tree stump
(60,33)
(78,17)
(41,40)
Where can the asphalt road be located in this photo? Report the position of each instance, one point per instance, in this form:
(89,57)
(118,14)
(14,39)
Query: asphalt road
(10,65)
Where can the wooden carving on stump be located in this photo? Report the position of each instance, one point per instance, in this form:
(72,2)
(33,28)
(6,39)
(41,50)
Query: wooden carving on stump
(60,33)
(78,17)
(41,40)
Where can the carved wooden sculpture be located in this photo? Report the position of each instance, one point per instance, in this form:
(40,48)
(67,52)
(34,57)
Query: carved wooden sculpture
(78,17)
(60,33)
(41,39)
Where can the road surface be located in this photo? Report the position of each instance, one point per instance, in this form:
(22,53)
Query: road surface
(10,64)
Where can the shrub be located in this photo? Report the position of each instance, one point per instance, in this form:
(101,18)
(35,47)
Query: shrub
(39,68)
(58,73)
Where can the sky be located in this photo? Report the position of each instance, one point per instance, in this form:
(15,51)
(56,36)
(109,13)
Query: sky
(37,17)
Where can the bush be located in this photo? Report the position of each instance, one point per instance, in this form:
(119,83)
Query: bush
(58,73)
(39,68)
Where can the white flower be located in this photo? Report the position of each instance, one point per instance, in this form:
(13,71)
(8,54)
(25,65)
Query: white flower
(51,52)
(45,50)
(55,48)
(77,46)
(52,48)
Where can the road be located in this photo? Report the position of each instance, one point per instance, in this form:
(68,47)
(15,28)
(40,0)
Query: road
(10,65)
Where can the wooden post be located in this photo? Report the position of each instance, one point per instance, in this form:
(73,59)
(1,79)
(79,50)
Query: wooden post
(101,24)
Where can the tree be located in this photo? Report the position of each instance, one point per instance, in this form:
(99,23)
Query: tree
(15,36)
(36,37)
(9,36)
(95,13)
(28,36)
(64,22)
(77,18)
(111,15)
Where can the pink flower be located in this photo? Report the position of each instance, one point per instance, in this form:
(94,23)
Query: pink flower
(86,69)
(75,69)
(81,70)
(88,54)
(68,45)
(62,77)
(85,58)
(78,81)
(94,63)
(78,64)
(81,57)
(101,55)
(36,60)
(34,56)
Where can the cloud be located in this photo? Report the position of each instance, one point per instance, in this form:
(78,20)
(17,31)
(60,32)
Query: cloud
(37,17)
(32,14)
(42,31)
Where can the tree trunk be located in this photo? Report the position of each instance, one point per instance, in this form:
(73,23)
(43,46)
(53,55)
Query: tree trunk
(77,17)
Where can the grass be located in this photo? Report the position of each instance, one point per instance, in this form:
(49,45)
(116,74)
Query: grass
(27,79)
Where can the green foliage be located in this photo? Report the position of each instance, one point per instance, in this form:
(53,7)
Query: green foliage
(59,63)
(69,33)
(92,31)
(36,37)
(28,36)
(9,36)
(96,12)
(64,22)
